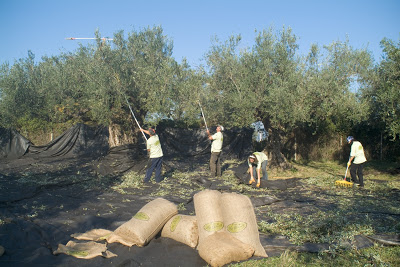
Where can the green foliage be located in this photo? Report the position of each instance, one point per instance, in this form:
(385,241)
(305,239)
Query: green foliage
(129,180)
(384,96)
(261,83)
(272,83)
(331,103)
(28,125)
(20,96)
(334,89)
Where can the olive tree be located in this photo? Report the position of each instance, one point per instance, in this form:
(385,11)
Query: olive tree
(385,95)
(263,83)
(21,100)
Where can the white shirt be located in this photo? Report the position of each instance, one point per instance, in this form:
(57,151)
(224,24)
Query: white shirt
(357,151)
(216,145)
(261,157)
(154,145)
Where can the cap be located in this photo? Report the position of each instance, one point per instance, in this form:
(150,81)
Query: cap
(349,138)
(252,156)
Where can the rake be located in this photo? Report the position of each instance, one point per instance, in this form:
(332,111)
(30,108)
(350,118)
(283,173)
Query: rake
(344,182)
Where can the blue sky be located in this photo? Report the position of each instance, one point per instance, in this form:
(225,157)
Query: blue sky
(42,25)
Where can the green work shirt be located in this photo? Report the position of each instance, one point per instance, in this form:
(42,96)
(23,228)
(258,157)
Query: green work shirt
(216,145)
(154,145)
(261,157)
(357,151)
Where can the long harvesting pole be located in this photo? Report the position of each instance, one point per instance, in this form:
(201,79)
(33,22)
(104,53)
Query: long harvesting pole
(116,76)
(135,117)
(83,38)
(204,118)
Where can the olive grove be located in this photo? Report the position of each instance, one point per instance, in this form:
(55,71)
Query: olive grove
(302,100)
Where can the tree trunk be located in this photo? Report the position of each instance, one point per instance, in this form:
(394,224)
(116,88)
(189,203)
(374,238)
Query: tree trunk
(274,147)
(118,137)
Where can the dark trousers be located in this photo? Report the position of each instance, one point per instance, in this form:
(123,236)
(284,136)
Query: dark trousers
(215,164)
(263,170)
(357,170)
(155,164)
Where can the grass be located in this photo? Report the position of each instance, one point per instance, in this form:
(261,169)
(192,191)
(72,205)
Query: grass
(373,256)
(321,227)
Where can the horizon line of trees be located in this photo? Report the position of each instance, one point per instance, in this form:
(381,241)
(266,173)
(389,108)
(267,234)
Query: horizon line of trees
(334,90)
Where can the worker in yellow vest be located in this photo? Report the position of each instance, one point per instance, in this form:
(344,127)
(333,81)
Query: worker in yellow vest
(156,156)
(258,161)
(357,155)
(216,148)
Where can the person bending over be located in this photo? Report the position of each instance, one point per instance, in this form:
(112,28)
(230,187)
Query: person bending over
(258,161)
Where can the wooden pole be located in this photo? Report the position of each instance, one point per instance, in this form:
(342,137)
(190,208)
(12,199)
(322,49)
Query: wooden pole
(381,146)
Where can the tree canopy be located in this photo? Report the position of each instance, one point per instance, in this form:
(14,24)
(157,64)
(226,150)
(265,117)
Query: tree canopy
(332,90)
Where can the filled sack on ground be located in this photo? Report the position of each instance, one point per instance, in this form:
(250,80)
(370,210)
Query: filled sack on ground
(87,250)
(208,213)
(182,228)
(146,223)
(94,235)
(222,248)
(240,220)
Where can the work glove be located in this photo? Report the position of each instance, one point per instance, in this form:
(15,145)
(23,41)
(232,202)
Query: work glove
(348,164)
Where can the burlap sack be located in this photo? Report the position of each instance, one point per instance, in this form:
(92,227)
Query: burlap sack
(222,248)
(94,235)
(240,220)
(182,228)
(86,250)
(208,213)
(146,223)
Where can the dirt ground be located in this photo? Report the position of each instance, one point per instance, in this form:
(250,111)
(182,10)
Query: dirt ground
(43,202)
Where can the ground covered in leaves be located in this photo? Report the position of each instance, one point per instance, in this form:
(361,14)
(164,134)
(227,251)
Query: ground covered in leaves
(298,210)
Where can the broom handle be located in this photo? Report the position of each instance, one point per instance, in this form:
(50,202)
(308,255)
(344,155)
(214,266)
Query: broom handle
(346,172)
